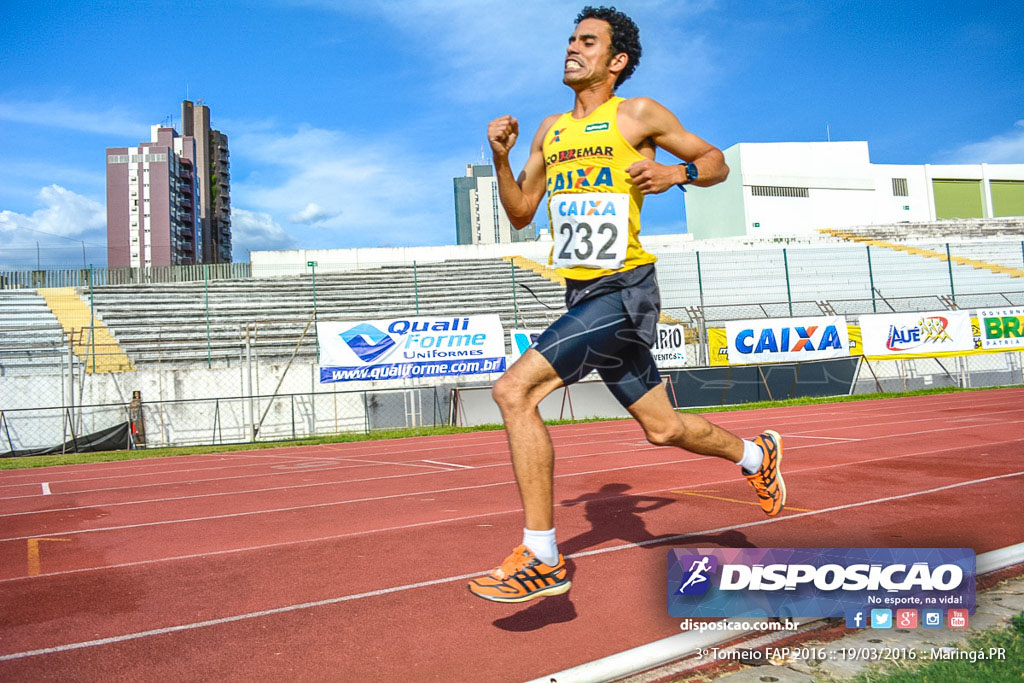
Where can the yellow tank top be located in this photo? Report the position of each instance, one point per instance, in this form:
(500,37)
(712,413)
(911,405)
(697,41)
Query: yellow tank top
(593,206)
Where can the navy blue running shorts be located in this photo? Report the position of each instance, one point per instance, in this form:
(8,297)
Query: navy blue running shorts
(597,334)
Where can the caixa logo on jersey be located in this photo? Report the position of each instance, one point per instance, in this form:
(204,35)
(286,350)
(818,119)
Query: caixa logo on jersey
(816,582)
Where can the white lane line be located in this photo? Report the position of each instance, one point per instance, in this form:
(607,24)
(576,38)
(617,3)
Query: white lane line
(836,508)
(462,577)
(503,463)
(910,406)
(455,519)
(828,438)
(333,503)
(602,429)
(46,488)
(450,464)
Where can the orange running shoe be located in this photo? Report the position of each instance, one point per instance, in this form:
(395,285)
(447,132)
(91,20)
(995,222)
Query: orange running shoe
(767,481)
(522,577)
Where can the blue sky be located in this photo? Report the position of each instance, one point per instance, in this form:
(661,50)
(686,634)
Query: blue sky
(348,121)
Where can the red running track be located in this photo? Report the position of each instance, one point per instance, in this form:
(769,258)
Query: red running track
(350,561)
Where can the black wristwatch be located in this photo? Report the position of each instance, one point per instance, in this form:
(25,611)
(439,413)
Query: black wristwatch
(691,174)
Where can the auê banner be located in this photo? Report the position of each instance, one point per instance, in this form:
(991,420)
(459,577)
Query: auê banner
(404,348)
(913,334)
(817,582)
(1002,328)
(784,340)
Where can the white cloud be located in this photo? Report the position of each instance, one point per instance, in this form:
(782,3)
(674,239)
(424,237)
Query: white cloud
(490,49)
(313,213)
(256,231)
(1006,148)
(356,192)
(54,233)
(64,214)
(57,114)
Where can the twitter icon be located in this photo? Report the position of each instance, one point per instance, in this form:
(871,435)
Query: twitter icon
(881,618)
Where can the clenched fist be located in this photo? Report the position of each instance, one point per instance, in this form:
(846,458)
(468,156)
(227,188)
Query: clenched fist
(502,133)
(652,178)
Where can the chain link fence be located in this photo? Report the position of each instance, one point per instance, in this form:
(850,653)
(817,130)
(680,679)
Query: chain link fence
(213,358)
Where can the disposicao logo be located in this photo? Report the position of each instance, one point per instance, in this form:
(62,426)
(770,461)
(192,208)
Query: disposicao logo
(697,579)
(817,582)
(367,342)
(927,331)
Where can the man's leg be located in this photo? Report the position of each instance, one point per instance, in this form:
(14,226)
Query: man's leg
(525,574)
(518,394)
(664,426)
(760,458)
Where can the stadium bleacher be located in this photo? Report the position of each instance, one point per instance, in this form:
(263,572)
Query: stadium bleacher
(191,322)
(31,338)
(168,322)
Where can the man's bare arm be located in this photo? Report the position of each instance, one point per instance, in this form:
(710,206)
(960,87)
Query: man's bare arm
(519,197)
(646,119)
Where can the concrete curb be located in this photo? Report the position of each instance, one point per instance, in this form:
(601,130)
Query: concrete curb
(661,652)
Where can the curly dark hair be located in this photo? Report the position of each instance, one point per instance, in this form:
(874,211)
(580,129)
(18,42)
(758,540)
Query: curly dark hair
(625,36)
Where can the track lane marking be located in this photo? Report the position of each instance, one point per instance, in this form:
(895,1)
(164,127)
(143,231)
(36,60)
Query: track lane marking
(734,500)
(462,577)
(503,463)
(476,516)
(450,464)
(742,417)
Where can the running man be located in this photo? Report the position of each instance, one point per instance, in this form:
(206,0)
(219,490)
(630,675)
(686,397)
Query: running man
(596,163)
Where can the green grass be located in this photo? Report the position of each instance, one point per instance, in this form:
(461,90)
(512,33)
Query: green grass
(111,456)
(1010,639)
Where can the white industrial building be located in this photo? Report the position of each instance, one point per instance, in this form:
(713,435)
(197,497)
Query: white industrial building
(785,188)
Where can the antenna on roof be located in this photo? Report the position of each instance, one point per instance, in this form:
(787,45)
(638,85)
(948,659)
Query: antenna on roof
(483,159)
(828,133)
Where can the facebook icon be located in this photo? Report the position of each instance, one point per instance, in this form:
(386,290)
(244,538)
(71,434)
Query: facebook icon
(856,618)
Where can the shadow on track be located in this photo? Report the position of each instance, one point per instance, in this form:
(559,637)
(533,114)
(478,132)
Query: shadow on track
(614,515)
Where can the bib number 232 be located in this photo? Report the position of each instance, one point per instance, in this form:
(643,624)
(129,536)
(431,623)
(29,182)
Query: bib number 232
(591,229)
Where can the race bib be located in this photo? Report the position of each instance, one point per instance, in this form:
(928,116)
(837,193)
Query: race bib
(591,229)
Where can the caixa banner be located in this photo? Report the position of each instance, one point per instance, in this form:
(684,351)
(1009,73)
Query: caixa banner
(816,582)
(787,340)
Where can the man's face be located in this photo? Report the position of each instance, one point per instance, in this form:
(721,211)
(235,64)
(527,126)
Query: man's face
(588,53)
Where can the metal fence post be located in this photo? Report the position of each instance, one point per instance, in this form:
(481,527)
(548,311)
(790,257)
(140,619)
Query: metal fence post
(366,414)
(949,264)
(206,282)
(871,279)
(92,319)
(789,294)
(515,303)
(416,286)
(700,282)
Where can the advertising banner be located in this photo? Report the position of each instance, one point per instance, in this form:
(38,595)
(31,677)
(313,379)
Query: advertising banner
(818,582)
(917,334)
(669,348)
(404,348)
(1002,328)
(786,340)
(520,341)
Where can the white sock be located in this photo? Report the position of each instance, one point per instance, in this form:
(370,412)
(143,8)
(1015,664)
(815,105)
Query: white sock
(542,544)
(752,457)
